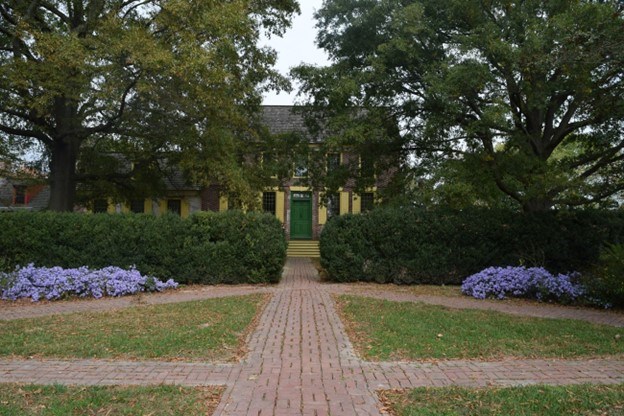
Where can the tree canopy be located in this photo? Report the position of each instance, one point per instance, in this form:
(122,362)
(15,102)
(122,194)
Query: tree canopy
(528,94)
(152,80)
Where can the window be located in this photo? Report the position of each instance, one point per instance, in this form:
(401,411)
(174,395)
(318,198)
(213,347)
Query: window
(268,202)
(174,206)
(367,166)
(368,201)
(100,206)
(137,206)
(333,162)
(20,194)
(301,167)
(333,205)
(269,163)
(268,158)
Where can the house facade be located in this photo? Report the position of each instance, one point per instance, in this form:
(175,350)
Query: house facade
(302,210)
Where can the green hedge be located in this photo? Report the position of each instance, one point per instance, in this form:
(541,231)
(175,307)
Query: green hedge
(408,245)
(230,247)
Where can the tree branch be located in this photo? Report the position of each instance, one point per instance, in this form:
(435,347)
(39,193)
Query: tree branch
(106,127)
(50,7)
(133,7)
(600,164)
(564,127)
(44,138)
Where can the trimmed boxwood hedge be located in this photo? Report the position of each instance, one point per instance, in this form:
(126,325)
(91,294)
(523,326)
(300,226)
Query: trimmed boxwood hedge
(410,245)
(210,248)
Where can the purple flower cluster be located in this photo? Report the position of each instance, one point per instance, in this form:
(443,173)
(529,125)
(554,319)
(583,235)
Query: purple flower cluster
(55,282)
(533,282)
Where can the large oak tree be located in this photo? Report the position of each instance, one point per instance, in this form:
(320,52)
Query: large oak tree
(147,79)
(528,93)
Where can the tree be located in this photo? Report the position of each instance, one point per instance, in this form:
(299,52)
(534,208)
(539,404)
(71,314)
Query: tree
(148,79)
(533,90)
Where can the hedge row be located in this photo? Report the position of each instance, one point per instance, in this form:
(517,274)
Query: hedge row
(409,245)
(210,248)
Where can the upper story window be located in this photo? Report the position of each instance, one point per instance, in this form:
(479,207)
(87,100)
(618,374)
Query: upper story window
(333,162)
(301,167)
(268,202)
(367,166)
(20,194)
(269,163)
(174,206)
(368,201)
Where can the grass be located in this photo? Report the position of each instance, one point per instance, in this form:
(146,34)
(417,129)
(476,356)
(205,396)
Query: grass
(416,290)
(509,401)
(63,401)
(212,330)
(384,330)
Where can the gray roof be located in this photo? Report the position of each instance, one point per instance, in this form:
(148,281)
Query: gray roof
(281,119)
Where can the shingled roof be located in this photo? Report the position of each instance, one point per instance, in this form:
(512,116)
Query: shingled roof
(281,119)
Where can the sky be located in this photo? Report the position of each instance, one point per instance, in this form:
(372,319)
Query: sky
(296,47)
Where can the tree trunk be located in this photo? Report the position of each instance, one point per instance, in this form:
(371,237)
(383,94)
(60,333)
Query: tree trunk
(63,175)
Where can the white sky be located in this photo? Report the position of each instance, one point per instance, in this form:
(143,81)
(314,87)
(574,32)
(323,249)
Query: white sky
(295,47)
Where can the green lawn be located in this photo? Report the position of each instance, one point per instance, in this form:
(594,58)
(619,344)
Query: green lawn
(511,401)
(212,329)
(125,401)
(384,330)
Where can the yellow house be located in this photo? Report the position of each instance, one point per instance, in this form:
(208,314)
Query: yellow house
(300,208)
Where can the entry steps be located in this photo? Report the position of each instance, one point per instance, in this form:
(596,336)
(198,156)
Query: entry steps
(303,248)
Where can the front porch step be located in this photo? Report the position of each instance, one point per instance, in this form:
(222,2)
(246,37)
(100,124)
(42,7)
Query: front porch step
(303,248)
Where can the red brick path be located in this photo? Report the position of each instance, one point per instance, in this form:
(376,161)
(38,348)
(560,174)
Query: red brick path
(301,363)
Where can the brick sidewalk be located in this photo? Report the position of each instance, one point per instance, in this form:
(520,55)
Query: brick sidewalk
(302,363)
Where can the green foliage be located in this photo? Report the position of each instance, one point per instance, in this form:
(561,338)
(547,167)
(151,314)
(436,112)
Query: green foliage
(530,91)
(138,78)
(231,247)
(606,282)
(409,245)
(234,247)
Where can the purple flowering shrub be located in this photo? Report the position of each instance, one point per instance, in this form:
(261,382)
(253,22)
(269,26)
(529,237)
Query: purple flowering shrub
(55,283)
(532,282)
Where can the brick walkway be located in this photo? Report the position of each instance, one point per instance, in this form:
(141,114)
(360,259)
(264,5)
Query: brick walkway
(302,363)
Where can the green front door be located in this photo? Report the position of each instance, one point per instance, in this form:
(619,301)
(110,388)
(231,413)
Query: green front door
(300,215)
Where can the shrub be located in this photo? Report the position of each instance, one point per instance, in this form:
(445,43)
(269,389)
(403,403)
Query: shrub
(409,245)
(55,283)
(234,247)
(605,285)
(522,282)
(229,247)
